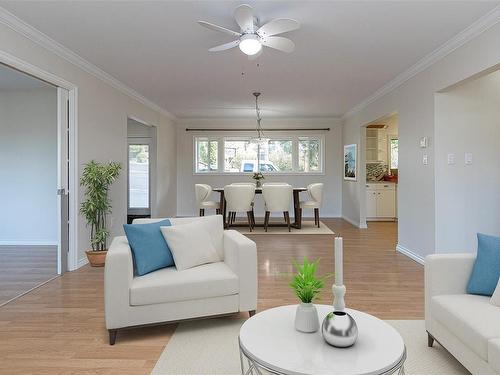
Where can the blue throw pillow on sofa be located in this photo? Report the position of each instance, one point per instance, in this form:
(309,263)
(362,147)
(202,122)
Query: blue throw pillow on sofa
(149,249)
(486,271)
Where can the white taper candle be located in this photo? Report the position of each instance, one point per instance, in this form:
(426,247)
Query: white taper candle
(339,261)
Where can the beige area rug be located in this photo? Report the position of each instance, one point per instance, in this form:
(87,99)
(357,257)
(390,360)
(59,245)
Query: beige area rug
(308,227)
(210,347)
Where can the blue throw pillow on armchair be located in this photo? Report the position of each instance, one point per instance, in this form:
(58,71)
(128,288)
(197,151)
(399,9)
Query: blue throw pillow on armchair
(149,249)
(486,271)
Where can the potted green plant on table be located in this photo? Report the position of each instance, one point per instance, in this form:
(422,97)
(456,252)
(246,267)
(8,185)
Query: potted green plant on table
(258,177)
(306,286)
(96,180)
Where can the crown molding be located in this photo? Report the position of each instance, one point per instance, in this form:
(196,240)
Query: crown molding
(475,29)
(36,36)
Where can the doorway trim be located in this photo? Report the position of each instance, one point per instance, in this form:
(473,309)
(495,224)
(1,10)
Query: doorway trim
(36,72)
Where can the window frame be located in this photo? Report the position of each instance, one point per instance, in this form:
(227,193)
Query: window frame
(195,160)
(221,140)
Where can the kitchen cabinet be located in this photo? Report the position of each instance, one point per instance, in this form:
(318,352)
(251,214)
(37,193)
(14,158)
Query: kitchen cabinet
(381,201)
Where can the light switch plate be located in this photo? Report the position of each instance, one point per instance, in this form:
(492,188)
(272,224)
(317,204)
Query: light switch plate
(425,160)
(451,159)
(468,158)
(423,142)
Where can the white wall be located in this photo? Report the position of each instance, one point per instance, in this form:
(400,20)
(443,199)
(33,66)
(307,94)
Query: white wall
(467,196)
(332,164)
(28,167)
(414,103)
(102,129)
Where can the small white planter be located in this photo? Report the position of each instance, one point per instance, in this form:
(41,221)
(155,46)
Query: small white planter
(306,318)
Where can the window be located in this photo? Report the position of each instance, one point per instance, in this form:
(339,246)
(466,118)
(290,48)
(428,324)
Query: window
(278,155)
(239,155)
(138,169)
(394,145)
(309,155)
(206,155)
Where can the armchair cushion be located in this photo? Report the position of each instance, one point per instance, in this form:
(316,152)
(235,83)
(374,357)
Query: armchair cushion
(149,249)
(471,318)
(190,244)
(486,271)
(171,285)
(495,298)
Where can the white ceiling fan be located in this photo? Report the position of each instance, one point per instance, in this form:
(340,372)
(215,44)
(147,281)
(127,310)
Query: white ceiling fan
(251,36)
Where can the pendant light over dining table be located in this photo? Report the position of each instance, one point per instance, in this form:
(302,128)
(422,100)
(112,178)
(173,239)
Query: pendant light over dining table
(259,140)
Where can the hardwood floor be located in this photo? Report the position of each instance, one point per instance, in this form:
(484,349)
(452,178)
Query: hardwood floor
(25,267)
(59,327)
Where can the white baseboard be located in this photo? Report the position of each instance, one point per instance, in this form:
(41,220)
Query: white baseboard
(27,243)
(354,222)
(81,263)
(410,254)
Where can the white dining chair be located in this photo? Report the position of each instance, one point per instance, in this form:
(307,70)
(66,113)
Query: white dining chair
(277,198)
(316,194)
(253,203)
(239,198)
(202,192)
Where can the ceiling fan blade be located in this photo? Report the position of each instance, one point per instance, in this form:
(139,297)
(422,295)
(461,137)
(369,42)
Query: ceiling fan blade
(279,43)
(243,15)
(256,56)
(225,46)
(278,26)
(211,26)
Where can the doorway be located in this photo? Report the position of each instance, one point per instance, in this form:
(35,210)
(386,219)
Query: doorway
(141,180)
(381,151)
(34,154)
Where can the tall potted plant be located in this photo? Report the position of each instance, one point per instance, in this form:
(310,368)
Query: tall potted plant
(96,180)
(307,286)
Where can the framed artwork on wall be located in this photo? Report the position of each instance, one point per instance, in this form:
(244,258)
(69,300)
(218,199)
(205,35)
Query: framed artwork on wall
(350,162)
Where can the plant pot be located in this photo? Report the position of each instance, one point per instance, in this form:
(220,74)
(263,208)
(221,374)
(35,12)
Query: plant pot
(96,258)
(306,318)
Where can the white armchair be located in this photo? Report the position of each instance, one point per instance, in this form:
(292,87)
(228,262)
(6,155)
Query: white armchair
(467,325)
(168,295)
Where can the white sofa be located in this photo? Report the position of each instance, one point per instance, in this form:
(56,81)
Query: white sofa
(168,295)
(467,325)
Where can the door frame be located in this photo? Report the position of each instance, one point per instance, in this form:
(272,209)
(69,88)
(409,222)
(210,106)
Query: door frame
(36,72)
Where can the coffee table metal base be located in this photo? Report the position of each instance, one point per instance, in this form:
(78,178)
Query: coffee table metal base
(250,366)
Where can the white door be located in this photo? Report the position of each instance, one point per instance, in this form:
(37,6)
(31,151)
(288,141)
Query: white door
(386,205)
(62,178)
(371,203)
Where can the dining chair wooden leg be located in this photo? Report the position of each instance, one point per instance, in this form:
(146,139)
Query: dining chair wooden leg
(249,217)
(229,216)
(202,212)
(284,216)
(266,220)
(316,216)
(287,215)
(217,211)
(253,218)
(234,217)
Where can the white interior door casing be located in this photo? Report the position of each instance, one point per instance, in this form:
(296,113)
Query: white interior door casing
(63,178)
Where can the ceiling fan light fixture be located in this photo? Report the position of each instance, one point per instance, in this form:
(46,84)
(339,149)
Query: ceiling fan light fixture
(250,44)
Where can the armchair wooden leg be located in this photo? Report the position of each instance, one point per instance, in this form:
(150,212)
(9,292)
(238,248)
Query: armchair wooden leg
(266,220)
(202,212)
(249,218)
(112,336)
(287,216)
(430,340)
(251,313)
(316,216)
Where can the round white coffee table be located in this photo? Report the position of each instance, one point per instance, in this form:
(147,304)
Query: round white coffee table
(269,343)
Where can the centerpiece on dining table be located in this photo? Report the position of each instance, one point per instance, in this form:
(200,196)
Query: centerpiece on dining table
(258,177)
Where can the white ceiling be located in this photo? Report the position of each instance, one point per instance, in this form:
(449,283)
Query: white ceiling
(11,79)
(344,50)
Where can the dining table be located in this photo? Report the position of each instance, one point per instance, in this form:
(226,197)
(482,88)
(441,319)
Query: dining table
(297,210)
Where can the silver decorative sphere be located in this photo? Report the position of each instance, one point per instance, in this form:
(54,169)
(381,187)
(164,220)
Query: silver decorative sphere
(339,329)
